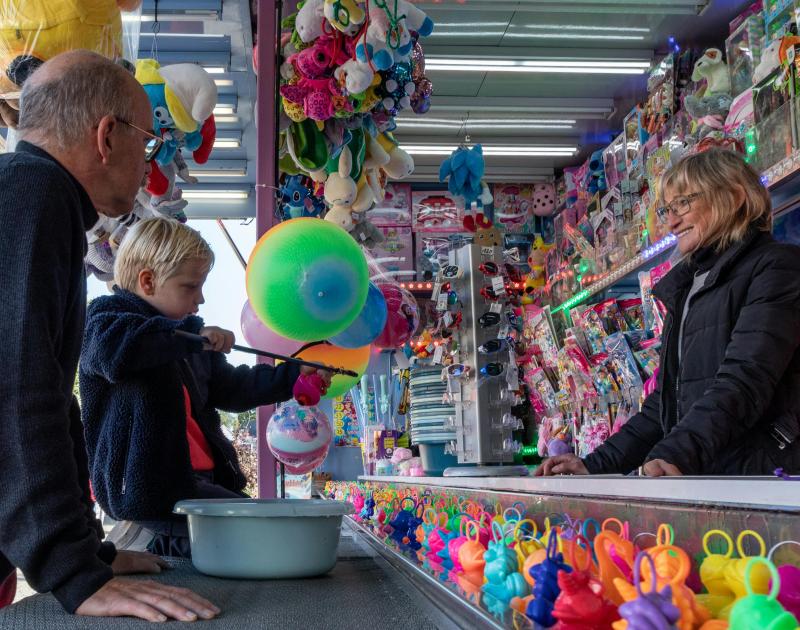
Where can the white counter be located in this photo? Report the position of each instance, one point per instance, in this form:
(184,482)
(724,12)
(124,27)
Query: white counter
(741,492)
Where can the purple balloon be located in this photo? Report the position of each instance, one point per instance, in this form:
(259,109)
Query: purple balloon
(261,337)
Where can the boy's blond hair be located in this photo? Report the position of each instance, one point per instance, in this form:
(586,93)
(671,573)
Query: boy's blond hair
(159,244)
(713,173)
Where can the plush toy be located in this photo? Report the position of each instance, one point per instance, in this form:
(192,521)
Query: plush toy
(388,37)
(341,192)
(297,199)
(396,89)
(400,164)
(344,15)
(714,70)
(365,233)
(33,31)
(595,180)
(308,22)
(544,199)
(464,171)
(709,106)
(183,97)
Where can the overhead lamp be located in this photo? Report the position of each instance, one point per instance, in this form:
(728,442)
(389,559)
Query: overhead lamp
(218,172)
(629,7)
(494,150)
(223,82)
(215,69)
(222,109)
(552,66)
(218,195)
(485,123)
(226,119)
(227,142)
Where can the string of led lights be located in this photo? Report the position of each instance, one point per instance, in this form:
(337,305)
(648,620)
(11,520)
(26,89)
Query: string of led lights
(620,272)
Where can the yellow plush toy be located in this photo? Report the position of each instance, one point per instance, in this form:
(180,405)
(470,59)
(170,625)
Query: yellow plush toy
(537,276)
(33,31)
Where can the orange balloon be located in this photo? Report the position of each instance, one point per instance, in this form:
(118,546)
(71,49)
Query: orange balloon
(356,359)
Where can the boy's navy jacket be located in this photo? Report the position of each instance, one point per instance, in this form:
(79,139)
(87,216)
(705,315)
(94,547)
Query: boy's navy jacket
(132,370)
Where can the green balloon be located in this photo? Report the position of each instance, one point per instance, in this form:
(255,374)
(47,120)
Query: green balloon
(307,279)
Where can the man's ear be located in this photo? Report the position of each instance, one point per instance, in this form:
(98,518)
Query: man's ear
(147,282)
(105,128)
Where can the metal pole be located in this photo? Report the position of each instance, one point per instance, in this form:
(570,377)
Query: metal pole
(266,169)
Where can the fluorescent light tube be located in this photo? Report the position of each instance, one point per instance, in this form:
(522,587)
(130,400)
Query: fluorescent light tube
(532,70)
(215,69)
(224,82)
(223,108)
(227,143)
(218,172)
(488,150)
(219,195)
(484,123)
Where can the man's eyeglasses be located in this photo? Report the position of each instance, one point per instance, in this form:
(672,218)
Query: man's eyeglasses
(153,145)
(678,207)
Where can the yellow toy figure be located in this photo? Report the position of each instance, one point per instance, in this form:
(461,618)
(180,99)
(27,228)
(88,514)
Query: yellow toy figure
(33,31)
(537,277)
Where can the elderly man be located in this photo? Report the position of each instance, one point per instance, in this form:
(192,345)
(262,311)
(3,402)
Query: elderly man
(85,132)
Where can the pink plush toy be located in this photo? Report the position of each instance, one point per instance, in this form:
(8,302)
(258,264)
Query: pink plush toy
(544,199)
(315,89)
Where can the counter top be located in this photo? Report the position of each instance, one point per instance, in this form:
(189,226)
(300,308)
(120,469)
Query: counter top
(741,492)
(355,594)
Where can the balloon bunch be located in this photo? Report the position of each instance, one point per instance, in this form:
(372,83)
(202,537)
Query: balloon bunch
(349,68)
(566,578)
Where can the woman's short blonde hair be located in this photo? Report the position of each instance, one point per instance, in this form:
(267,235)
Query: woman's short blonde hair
(714,173)
(161,245)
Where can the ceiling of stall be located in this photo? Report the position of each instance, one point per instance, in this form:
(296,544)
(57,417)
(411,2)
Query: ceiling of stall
(567,109)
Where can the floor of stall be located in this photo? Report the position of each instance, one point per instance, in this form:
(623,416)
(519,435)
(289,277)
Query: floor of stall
(362,591)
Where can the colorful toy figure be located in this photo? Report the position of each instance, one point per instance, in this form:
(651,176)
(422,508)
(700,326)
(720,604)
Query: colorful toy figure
(503,581)
(580,604)
(761,611)
(546,587)
(653,610)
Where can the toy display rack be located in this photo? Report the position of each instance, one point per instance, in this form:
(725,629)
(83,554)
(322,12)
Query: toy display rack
(484,435)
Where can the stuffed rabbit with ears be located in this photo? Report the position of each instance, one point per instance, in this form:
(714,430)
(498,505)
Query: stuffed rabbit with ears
(341,192)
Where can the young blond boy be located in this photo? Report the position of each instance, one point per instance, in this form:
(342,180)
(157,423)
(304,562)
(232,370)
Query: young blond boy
(150,398)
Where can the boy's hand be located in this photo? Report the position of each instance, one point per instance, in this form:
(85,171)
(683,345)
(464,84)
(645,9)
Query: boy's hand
(151,601)
(325,375)
(219,339)
(127,562)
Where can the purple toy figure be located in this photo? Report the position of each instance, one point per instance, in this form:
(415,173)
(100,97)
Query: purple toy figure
(653,610)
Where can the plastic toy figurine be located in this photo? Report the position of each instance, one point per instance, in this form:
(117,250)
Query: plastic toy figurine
(761,611)
(789,595)
(308,389)
(368,510)
(546,587)
(653,610)
(502,580)
(719,594)
(471,553)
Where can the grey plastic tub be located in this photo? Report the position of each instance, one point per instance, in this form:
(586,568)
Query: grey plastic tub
(264,538)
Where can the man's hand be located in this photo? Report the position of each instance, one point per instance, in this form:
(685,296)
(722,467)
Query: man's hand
(660,468)
(219,339)
(128,562)
(325,375)
(151,601)
(561,465)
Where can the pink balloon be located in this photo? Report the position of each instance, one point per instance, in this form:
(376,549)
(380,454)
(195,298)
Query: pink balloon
(402,320)
(259,336)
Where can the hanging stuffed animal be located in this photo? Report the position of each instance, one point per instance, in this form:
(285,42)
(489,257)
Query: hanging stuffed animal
(183,97)
(297,198)
(464,171)
(33,31)
(388,37)
(710,104)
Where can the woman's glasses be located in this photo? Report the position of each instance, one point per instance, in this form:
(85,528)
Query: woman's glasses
(678,207)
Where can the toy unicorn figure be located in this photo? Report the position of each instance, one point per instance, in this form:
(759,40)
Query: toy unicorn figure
(714,70)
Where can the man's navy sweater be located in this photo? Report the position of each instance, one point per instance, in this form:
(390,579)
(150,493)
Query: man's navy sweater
(132,373)
(47,524)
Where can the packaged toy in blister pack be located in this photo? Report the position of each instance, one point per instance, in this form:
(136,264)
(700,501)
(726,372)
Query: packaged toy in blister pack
(603,378)
(543,396)
(574,375)
(593,432)
(625,367)
(545,338)
(611,316)
(647,356)
(594,331)
(632,311)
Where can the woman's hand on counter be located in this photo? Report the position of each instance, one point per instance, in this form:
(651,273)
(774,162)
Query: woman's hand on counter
(561,465)
(151,601)
(660,468)
(128,562)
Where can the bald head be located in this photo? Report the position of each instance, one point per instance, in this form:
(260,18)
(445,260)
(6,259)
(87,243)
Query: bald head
(66,97)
